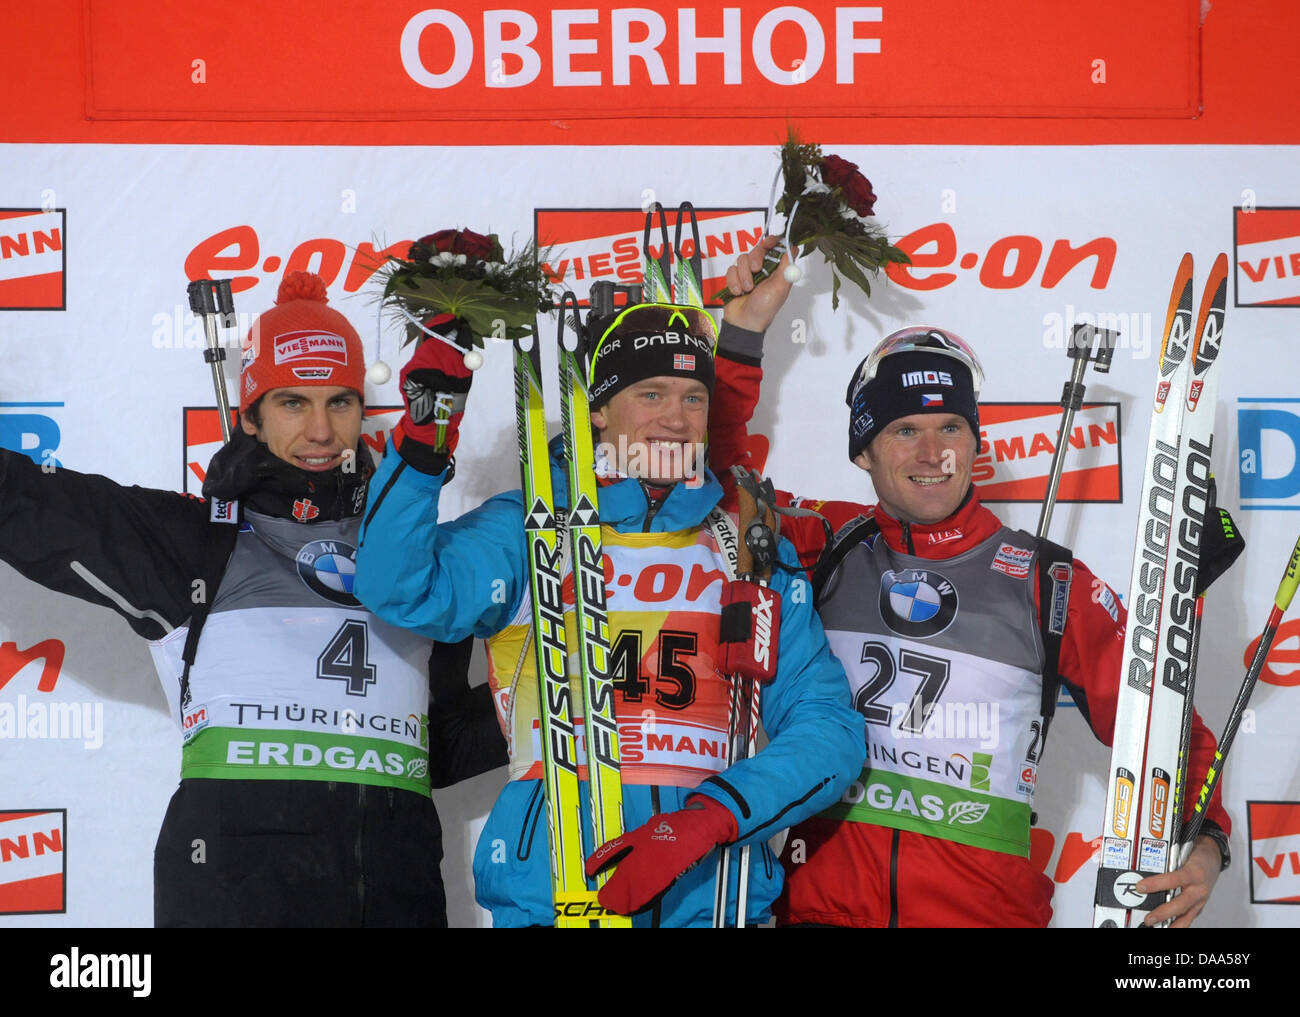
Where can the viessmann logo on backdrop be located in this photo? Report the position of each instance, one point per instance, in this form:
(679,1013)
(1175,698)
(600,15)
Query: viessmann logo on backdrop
(590,244)
(1267,249)
(33,866)
(1274,830)
(1017,441)
(32,259)
(201,431)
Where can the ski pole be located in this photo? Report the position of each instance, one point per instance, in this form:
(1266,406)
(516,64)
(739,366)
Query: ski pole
(755,557)
(1081,350)
(689,279)
(210,298)
(1285,591)
(658,276)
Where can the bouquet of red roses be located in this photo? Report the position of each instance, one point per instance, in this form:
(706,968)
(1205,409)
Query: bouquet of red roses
(827,202)
(467,275)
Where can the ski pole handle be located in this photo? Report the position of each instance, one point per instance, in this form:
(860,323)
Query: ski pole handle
(211,300)
(1079,347)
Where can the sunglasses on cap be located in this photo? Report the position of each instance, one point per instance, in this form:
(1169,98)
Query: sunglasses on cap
(651,318)
(923,339)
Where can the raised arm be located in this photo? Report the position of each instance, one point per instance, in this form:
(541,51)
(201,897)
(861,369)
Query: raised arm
(132,549)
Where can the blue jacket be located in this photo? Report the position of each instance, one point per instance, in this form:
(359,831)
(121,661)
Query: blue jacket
(469,576)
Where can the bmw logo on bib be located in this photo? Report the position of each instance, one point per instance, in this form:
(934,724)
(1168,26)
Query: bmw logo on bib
(917,602)
(329,568)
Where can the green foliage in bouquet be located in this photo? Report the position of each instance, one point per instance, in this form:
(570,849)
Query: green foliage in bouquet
(467,275)
(831,202)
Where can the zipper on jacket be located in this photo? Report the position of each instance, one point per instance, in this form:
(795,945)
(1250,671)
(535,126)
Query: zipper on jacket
(893,877)
(907,539)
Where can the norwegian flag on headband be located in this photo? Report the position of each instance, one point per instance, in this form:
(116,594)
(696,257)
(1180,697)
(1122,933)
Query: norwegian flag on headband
(931,400)
(683,361)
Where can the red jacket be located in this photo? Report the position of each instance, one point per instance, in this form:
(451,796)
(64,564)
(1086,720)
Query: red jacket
(857,874)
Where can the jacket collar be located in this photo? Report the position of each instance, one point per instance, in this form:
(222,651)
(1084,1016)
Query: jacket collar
(625,506)
(969,526)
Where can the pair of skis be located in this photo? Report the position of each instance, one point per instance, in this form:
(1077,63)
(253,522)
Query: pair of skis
(1146,788)
(547,528)
(576,906)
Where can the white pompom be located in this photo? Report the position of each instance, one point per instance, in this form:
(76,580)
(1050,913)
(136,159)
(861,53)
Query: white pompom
(473,360)
(379,373)
(792,273)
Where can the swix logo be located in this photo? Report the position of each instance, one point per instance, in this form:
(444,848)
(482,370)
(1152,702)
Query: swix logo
(591,244)
(34,434)
(1123,802)
(1267,243)
(32,259)
(1018,440)
(1274,832)
(1009,263)
(1159,801)
(201,436)
(763,628)
(33,866)
(239,249)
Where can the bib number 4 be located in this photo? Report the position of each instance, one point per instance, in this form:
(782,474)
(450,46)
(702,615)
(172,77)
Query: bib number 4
(347,658)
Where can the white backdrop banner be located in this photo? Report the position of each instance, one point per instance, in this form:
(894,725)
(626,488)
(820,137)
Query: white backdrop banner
(1011,246)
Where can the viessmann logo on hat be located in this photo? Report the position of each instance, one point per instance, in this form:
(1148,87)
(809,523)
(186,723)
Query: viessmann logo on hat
(311,344)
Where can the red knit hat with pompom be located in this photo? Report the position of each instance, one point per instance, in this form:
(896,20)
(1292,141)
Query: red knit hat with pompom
(300,341)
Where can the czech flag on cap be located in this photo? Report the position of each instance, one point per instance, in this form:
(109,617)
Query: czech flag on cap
(931,400)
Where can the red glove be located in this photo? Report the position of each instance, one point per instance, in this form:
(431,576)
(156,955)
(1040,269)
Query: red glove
(435,384)
(652,856)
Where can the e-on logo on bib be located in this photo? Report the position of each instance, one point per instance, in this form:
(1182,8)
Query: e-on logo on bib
(917,602)
(328,567)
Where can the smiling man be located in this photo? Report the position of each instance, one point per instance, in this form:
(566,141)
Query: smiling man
(650,377)
(305,765)
(941,615)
